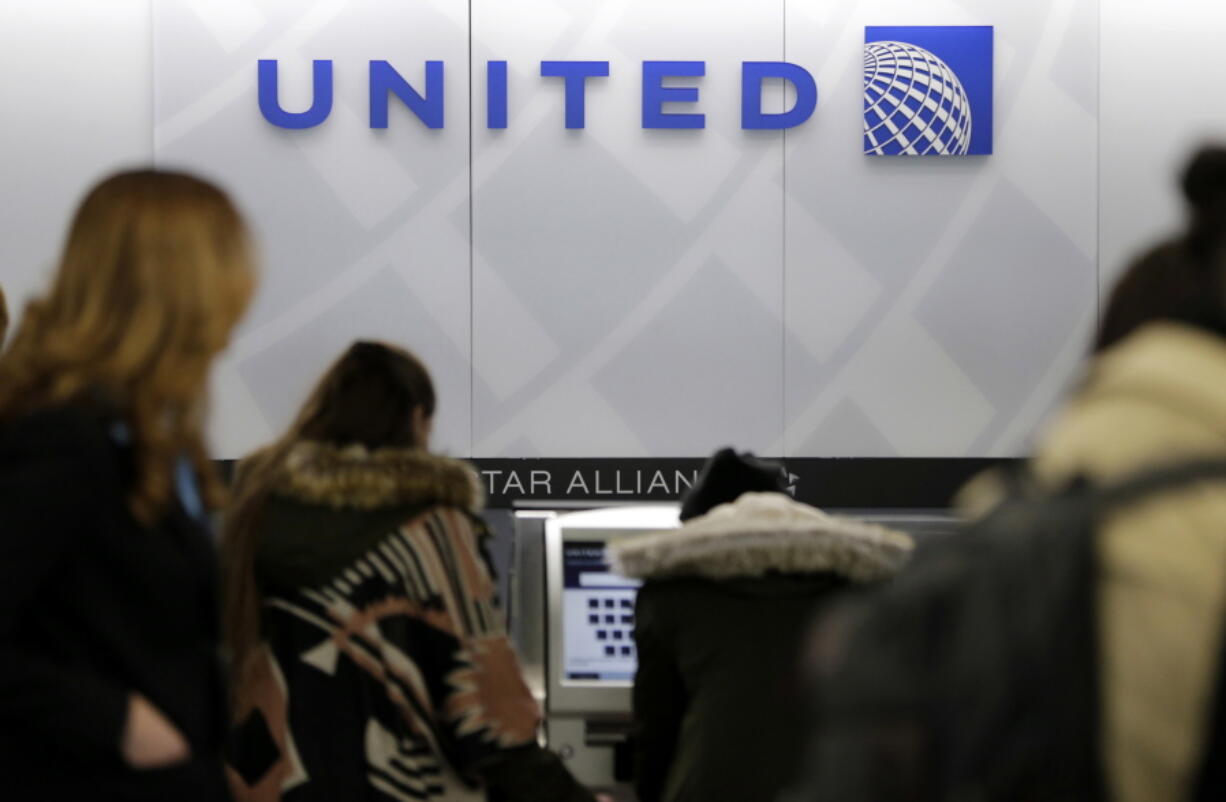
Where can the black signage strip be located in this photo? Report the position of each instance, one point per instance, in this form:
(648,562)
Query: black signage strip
(847,483)
(858,483)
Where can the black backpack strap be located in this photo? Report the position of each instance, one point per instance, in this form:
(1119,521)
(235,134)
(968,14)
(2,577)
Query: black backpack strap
(1158,480)
(1021,483)
(1211,782)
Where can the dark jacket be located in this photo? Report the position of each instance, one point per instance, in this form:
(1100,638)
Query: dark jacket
(720,620)
(95,606)
(386,672)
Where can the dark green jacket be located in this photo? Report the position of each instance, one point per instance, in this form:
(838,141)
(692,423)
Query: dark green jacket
(720,626)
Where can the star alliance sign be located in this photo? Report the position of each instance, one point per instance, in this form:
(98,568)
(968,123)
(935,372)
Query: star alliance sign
(385,83)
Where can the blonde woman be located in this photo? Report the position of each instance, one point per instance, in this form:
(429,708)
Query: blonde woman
(110,686)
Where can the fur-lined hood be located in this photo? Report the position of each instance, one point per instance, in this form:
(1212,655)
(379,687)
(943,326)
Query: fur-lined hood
(355,477)
(760,534)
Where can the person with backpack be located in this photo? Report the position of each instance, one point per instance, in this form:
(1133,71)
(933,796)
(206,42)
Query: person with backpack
(720,623)
(1158,398)
(1068,646)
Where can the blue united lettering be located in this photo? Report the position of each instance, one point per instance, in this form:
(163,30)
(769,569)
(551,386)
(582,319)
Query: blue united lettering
(661,93)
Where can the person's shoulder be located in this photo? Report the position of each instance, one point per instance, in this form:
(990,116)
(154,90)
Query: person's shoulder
(62,431)
(447,529)
(678,590)
(448,514)
(65,453)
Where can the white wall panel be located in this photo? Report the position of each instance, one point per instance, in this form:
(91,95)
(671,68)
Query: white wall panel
(76,93)
(628,285)
(628,282)
(364,232)
(940,304)
(1161,97)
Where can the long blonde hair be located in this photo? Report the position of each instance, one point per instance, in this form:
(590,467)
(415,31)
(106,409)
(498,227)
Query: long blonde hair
(155,272)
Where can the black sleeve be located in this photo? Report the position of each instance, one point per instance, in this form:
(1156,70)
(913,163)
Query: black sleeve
(659,698)
(530,774)
(49,475)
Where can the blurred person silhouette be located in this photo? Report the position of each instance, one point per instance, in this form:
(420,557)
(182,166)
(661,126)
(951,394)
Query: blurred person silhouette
(110,674)
(371,654)
(720,624)
(1071,644)
(1158,397)
(4,317)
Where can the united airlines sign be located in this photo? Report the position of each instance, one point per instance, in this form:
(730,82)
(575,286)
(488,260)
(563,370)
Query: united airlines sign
(927,91)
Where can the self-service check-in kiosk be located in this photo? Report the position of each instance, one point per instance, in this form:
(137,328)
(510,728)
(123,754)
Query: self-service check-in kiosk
(573,620)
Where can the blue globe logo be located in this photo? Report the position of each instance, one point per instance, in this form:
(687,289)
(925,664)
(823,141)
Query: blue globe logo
(914,104)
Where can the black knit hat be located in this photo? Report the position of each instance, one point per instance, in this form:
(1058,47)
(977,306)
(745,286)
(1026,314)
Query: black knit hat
(1204,185)
(725,476)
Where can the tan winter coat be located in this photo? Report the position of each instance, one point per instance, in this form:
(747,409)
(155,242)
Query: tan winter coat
(1158,397)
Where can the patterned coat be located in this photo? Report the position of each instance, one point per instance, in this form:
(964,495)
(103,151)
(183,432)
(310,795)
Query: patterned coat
(386,673)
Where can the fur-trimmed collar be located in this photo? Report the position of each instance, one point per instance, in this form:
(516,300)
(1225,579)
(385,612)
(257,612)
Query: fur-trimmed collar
(355,477)
(762,533)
